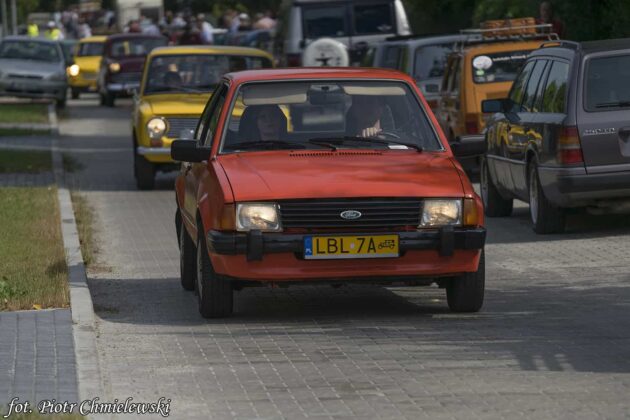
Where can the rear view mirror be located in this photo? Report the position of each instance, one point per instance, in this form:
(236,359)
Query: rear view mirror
(492,106)
(189,151)
(469,146)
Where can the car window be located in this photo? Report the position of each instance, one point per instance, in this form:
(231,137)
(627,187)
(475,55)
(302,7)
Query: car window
(213,116)
(200,132)
(529,94)
(498,67)
(326,20)
(392,57)
(373,19)
(554,98)
(448,74)
(135,46)
(195,72)
(430,61)
(30,50)
(607,84)
(457,71)
(281,115)
(518,87)
(89,49)
(538,101)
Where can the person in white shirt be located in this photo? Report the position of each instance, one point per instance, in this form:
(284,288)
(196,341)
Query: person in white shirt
(205,29)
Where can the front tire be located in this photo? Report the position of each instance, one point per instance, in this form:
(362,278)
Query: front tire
(546,217)
(493,202)
(214,291)
(187,259)
(465,293)
(145,173)
(109,99)
(75,93)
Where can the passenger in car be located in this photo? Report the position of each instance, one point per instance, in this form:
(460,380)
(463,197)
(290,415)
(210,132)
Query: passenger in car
(262,123)
(364,116)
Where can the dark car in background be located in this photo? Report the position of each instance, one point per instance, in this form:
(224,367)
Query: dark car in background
(33,68)
(122,64)
(561,139)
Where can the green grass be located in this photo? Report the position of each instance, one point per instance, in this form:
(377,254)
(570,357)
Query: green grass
(25,161)
(20,113)
(33,269)
(84,216)
(16,132)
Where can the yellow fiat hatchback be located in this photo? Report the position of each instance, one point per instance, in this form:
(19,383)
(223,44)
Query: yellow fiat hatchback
(176,85)
(83,73)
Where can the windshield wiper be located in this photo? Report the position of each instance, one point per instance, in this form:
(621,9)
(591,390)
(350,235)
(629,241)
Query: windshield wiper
(319,142)
(266,144)
(340,140)
(613,104)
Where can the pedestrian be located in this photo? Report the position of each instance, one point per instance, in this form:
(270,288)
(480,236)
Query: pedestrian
(546,16)
(53,32)
(84,29)
(150,28)
(265,22)
(190,36)
(205,29)
(32,29)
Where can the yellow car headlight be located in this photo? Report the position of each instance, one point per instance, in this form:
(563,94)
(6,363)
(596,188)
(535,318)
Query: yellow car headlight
(441,212)
(259,216)
(114,67)
(156,128)
(74,70)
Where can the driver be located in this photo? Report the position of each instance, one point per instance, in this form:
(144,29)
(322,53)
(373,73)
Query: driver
(363,118)
(173,80)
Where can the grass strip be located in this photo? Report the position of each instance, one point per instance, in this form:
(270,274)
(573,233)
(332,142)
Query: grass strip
(25,161)
(20,113)
(84,216)
(33,272)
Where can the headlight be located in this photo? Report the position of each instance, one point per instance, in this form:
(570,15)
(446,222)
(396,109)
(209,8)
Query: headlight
(441,212)
(114,67)
(156,128)
(260,216)
(73,70)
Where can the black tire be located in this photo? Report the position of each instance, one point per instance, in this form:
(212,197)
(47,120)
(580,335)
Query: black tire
(61,103)
(187,259)
(101,99)
(465,293)
(546,218)
(75,93)
(493,202)
(109,99)
(144,172)
(214,292)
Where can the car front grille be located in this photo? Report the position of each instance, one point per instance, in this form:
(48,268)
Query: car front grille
(89,75)
(375,213)
(177,125)
(25,76)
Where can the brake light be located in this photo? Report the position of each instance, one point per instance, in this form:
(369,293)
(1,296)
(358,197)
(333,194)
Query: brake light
(569,149)
(294,60)
(472,127)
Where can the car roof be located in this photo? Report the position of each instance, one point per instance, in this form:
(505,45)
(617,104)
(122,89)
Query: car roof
(605,45)
(414,41)
(28,38)
(210,49)
(317,73)
(491,47)
(98,38)
(299,2)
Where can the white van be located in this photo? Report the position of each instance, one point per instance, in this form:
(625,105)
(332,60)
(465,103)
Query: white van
(357,24)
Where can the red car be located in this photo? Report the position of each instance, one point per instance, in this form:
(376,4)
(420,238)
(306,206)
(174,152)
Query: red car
(326,175)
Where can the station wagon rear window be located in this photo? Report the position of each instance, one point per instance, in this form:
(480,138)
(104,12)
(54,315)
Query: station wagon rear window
(498,67)
(328,114)
(608,83)
(135,46)
(88,49)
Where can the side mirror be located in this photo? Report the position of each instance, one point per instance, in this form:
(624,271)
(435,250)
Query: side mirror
(189,151)
(469,146)
(492,106)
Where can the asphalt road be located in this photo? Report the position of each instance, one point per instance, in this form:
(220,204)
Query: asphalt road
(553,340)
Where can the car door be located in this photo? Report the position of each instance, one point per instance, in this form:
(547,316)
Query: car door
(192,172)
(523,132)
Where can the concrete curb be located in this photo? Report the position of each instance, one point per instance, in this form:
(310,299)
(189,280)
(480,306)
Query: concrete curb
(83,317)
(52,119)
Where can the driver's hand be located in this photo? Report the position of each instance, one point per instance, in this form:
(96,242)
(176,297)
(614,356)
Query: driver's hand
(370,132)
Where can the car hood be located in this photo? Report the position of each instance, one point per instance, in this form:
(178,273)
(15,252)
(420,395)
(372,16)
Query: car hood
(29,67)
(88,63)
(176,103)
(350,173)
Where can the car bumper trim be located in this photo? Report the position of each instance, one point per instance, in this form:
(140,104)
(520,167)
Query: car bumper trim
(153,151)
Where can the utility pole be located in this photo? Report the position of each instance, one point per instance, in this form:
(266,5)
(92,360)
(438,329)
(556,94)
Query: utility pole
(5,18)
(14,25)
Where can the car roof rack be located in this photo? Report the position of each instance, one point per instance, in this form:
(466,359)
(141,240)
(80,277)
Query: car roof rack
(493,33)
(561,43)
(415,36)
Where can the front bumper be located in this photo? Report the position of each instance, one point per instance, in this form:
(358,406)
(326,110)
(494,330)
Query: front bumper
(37,88)
(127,87)
(255,244)
(574,187)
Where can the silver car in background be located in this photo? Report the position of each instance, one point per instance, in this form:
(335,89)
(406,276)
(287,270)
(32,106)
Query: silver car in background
(33,68)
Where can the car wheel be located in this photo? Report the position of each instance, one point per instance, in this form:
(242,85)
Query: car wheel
(109,99)
(61,103)
(214,292)
(75,93)
(493,202)
(102,99)
(465,293)
(145,173)
(187,259)
(546,218)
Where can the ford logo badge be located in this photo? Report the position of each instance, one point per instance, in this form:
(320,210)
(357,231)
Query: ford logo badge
(350,214)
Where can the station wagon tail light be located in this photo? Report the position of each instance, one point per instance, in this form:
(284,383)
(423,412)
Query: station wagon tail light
(257,216)
(471,217)
(569,148)
(441,212)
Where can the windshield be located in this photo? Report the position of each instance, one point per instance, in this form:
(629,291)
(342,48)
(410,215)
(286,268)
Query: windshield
(328,115)
(333,19)
(30,50)
(430,61)
(608,83)
(182,73)
(498,67)
(89,49)
(135,46)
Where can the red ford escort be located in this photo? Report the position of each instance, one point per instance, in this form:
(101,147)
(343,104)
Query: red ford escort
(324,175)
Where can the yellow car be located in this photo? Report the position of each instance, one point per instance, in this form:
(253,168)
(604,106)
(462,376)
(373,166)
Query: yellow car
(484,67)
(83,73)
(176,85)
